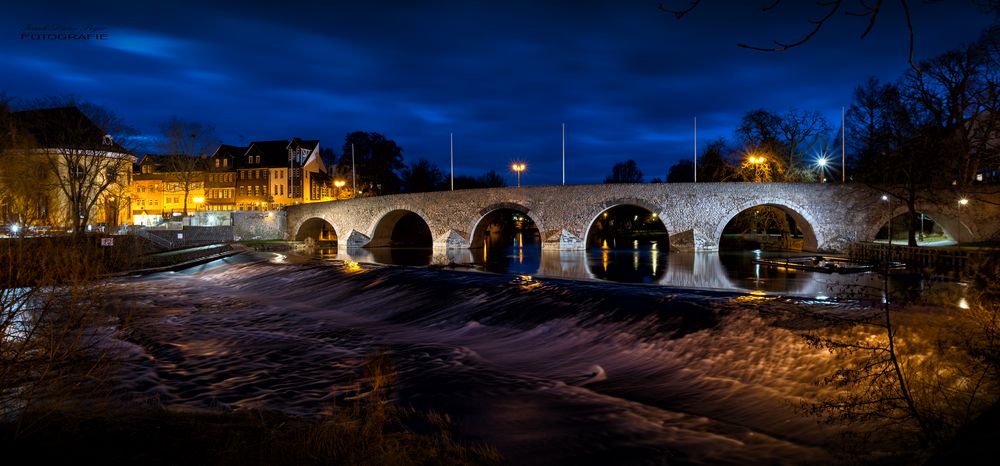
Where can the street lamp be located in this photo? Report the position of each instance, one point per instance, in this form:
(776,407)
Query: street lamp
(756,163)
(518,168)
(821,163)
(886,199)
(961,202)
(338,184)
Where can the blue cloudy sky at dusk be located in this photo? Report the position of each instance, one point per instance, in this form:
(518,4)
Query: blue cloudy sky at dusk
(625,78)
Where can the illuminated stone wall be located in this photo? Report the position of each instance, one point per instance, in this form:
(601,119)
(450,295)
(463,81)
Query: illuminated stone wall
(831,215)
(259,225)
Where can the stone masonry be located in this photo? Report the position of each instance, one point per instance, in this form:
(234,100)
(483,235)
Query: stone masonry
(830,215)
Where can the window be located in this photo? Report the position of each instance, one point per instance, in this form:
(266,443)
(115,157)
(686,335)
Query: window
(258,159)
(265,174)
(216,163)
(225,162)
(249,159)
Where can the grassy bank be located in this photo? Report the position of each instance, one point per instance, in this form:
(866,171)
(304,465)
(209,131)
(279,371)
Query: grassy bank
(164,437)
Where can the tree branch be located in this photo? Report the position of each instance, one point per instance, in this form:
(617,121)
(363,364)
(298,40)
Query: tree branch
(681,13)
(782,46)
(909,27)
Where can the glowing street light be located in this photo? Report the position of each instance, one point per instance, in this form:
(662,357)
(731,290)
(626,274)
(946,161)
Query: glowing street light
(518,168)
(756,164)
(821,163)
(961,203)
(338,184)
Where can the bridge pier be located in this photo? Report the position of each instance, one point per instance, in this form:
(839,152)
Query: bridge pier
(563,240)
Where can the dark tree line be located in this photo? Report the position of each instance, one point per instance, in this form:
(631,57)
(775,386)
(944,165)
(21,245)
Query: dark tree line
(379,168)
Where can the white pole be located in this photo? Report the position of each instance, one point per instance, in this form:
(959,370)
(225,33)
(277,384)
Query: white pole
(695,149)
(843,146)
(451,142)
(564,152)
(354,176)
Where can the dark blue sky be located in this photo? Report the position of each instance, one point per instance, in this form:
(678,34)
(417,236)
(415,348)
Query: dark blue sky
(625,78)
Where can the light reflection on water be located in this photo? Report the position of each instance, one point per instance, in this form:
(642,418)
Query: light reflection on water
(725,270)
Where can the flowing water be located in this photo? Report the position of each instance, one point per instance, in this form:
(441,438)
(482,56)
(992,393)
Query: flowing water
(548,370)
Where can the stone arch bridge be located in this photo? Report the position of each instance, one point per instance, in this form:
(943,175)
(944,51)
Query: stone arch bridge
(831,216)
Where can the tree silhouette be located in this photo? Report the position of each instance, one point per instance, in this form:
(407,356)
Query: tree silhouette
(625,172)
(376,162)
(422,176)
(187,144)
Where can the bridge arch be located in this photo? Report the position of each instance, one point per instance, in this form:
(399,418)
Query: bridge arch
(956,227)
(317,228)
(401,227)
(603,207)
(811,237)
(484,215)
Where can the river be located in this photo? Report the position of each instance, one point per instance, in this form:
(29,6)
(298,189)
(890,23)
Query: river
(699,362)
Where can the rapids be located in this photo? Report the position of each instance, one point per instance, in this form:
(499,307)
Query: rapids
(549,371)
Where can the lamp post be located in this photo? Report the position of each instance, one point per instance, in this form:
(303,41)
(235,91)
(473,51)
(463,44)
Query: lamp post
(886,199)
(338,184)
(518,168)
(961,202)
(756,163)
(821,163)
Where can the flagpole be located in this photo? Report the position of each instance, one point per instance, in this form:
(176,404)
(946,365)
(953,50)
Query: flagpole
(564,153)
(843,146)
(451,143)
(354,176)
(695,149)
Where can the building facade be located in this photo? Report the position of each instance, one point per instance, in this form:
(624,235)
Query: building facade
(274,174)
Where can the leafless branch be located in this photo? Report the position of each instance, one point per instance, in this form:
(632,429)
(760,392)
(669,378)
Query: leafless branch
(818,24)
(871,11)
(909,28)
(680,13)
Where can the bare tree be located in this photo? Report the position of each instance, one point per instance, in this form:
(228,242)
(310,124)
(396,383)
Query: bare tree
(782,140)
(187,144)
(86,149)
(958,96)
(913,388)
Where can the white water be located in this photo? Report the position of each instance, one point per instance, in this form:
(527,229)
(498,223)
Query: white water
(550,372)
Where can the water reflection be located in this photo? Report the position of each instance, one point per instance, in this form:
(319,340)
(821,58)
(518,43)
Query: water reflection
(644,263)
(726,270)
